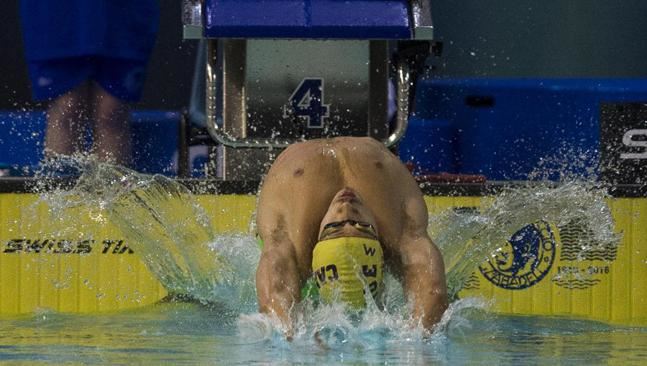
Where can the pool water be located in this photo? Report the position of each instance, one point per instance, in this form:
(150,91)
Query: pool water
(189,333)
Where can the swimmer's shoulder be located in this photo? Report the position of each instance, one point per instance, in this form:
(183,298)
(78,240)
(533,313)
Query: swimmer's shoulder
(317,147)
(297,151)
(363,144)
(352,143)
(299,154)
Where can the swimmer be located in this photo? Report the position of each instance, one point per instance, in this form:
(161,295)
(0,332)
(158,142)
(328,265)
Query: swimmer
(324,207)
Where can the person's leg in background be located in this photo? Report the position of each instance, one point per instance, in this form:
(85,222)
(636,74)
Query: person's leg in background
(112,140)
(78,97)
(119,84)
(108,42)
(63,84)
(67,117)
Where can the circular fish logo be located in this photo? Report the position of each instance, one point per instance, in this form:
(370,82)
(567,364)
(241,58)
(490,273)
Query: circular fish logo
(524,260)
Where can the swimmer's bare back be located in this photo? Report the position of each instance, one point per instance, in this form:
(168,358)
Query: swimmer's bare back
(295,196)
(303,180)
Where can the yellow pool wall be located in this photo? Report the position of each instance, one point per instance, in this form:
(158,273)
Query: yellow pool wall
(115,279)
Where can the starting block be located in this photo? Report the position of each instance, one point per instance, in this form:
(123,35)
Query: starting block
(280,71)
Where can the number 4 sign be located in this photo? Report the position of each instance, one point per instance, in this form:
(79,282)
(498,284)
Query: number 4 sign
(307,102)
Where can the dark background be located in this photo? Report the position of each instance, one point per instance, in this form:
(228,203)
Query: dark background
(503,38)
(168,83)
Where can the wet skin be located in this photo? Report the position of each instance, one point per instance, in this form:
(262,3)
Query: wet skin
(317,182)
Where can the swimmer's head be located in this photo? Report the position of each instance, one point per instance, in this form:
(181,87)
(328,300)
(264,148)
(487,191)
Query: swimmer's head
(348,261)
(348,269)
(347,216)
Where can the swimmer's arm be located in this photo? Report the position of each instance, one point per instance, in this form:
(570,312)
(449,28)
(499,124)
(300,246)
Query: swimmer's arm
(278,282)
(423,273)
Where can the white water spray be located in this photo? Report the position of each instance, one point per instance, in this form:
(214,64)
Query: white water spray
(163,222)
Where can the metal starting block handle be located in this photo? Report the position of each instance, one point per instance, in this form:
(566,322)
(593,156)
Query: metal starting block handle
(317,19)
(217,133)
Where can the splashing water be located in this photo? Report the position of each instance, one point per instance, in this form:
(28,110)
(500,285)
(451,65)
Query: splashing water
(157,215)
(162,221)
(165,224)
(467,238)
(330,326)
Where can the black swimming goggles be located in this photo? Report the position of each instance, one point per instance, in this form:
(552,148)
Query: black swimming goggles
(364,227)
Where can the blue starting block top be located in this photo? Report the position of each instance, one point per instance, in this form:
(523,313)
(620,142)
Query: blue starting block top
(313,19)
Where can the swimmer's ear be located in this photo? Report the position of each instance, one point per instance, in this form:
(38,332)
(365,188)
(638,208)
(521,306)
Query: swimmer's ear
(259,241)
(289,335)
(320,341)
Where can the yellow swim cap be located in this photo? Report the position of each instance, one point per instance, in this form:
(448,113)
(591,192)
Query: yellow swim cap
(347,266)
